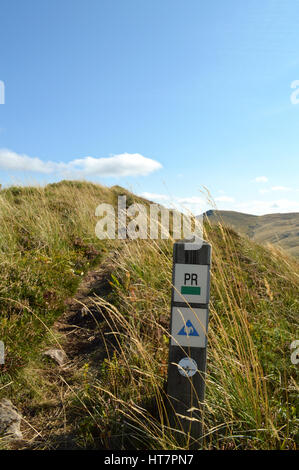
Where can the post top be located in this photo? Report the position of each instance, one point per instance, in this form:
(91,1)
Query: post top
(199,255)
(192,240)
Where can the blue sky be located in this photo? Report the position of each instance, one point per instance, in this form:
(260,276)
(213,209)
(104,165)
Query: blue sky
(162,97)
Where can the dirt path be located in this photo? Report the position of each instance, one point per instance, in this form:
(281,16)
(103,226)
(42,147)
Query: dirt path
(51,424)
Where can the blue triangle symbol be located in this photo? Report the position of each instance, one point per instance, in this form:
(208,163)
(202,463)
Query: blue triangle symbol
(188,330)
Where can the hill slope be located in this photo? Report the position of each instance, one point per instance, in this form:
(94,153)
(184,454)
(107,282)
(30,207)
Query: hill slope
(278,229)
(115,329)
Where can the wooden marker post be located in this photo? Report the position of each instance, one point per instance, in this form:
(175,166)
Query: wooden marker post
(188,342)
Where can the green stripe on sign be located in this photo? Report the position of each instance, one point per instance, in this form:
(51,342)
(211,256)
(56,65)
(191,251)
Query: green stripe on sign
(190,290)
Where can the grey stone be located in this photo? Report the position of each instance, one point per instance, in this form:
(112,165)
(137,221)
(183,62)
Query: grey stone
(10,420)
(58,355)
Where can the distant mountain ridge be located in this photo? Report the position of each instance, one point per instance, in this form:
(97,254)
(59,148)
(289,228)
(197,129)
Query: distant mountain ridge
(278,229)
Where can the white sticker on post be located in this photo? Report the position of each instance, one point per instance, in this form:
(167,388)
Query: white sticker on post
(187,367)
(191,283)
(189,327)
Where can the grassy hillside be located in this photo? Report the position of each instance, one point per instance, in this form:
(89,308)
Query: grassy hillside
(47,244)
(281,230)
(47,247)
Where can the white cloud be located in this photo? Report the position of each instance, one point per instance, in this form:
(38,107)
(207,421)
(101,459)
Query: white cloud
(275,188)
(174,199)
(125,164)
(155,196)
(198,205)
(261,179)
(194,204)
(259,207)
(20,162)
(193,200)
(281,188)
(264,191)
(224,199)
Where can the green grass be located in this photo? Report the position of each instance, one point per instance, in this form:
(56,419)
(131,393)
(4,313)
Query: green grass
(47,243)
(251,386)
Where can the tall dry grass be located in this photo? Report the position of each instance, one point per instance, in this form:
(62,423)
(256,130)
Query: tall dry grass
(250,388)
(47,243)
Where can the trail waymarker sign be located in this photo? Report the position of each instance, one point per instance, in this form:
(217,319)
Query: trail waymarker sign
(189,332)
(191,283)
(189,327)
(187,367)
